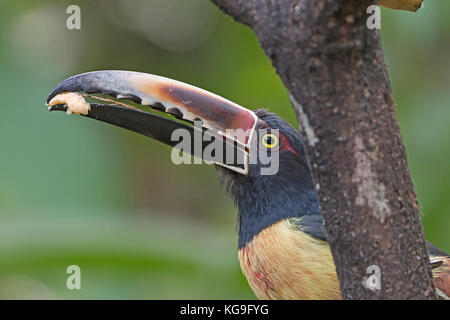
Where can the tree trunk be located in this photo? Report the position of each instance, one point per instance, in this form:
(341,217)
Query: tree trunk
(333,68)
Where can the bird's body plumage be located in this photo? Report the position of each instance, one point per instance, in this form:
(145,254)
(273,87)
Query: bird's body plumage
(283,262)
(292,260)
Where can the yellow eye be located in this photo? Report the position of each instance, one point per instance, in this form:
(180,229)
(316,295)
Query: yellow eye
(270,140)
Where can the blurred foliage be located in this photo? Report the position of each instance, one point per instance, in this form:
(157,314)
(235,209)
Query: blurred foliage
(73,191)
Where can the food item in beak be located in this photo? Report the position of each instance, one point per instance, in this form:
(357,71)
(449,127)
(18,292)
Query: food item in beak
(74,101)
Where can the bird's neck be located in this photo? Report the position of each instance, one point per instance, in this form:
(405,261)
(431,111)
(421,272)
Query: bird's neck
(259,210)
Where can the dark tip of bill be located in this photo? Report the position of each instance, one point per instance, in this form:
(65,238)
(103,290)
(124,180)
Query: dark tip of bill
(68,85)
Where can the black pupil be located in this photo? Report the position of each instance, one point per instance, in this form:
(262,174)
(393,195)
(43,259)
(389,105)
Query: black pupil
(269,140)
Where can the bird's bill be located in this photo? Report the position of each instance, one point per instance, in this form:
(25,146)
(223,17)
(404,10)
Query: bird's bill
(205,116)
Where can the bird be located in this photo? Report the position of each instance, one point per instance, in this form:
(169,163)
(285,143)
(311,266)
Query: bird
(261,161)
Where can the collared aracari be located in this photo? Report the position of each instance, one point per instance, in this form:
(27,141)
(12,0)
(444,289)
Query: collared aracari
(283,250)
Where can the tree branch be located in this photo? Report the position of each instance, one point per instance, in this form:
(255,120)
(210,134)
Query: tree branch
(333,68)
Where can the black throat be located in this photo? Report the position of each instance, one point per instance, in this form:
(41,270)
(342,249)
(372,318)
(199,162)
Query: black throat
(272,199)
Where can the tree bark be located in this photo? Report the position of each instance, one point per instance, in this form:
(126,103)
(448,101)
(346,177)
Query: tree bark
(333,68)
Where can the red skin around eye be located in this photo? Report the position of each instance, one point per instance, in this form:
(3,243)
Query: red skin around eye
(285,145)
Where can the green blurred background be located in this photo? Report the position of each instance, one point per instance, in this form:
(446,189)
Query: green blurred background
(75,191)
